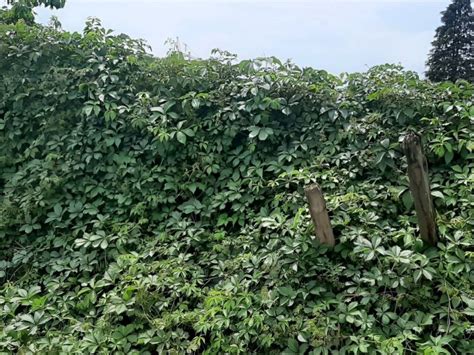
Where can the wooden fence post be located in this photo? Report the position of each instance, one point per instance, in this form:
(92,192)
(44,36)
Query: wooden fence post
(319,214)
(420,187)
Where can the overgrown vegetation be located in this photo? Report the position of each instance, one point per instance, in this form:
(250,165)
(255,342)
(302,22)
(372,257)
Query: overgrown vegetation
(156,205)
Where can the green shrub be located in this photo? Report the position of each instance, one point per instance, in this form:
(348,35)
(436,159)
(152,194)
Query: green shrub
(156,205)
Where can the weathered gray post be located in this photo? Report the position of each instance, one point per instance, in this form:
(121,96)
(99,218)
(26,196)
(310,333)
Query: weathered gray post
(420,187)
(319,214)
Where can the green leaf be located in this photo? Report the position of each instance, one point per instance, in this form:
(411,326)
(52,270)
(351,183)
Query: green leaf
(88,110)
(254,132)
(262,135)
(157,109)
(379,158)
(332,115)
(407,200)
(195,103)
(301,338)
(58,209)
(427,275)
(286,111)
(448,157)
(181,137)
(189,132)
(293,345)
(417,275)
(286,291)
(192,187)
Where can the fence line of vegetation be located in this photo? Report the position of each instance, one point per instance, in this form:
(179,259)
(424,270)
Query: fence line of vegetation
(156,205)
(419,187)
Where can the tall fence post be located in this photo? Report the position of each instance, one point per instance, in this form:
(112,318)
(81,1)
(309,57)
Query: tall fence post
(319,214)
(420,187)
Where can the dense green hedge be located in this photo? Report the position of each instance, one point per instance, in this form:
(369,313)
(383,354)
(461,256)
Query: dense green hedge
(156,205)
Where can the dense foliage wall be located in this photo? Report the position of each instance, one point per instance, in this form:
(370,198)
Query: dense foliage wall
(156,204)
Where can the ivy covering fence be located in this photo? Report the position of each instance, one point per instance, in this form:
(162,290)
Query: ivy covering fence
(156,205)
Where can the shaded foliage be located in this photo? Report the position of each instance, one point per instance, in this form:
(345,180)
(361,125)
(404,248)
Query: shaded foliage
(156,205)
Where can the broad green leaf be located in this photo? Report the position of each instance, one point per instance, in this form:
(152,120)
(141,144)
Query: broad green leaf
(181,137)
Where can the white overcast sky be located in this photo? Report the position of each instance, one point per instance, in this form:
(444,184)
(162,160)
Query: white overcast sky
(335,35)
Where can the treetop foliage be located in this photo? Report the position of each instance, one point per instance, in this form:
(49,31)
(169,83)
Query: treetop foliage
(156,205)
(452,56)
(23,9)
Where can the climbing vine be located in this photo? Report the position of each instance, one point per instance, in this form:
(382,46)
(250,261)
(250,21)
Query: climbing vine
(156,205)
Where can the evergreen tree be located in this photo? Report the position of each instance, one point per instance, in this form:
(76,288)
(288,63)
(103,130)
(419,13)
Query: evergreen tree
(452,56)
